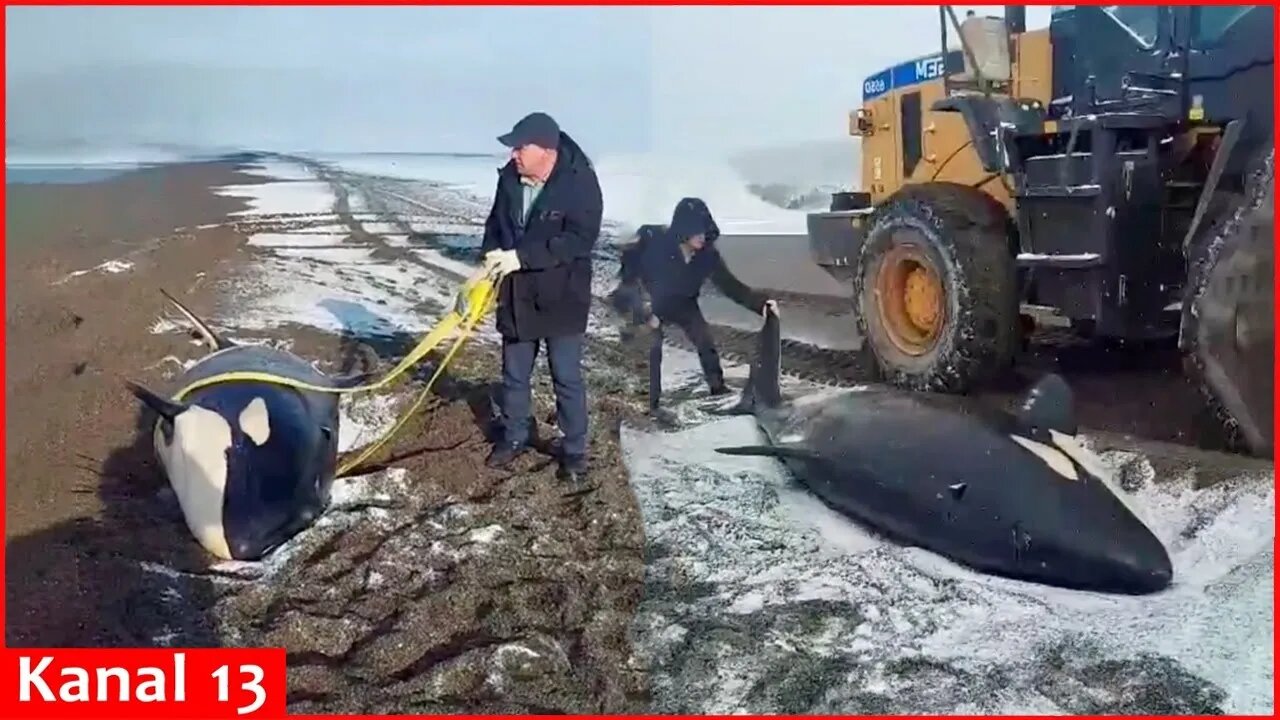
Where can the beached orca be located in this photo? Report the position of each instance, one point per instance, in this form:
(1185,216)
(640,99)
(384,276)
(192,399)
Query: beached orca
(1011,494)
(251,463)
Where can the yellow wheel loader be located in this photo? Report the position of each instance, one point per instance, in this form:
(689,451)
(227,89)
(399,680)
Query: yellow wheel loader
(1114,168)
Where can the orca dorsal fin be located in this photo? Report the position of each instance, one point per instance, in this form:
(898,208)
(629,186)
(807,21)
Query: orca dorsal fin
(213,339)
(1048,405)
(164,407)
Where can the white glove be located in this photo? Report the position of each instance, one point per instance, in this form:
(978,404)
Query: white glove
(503,261)
(768,306)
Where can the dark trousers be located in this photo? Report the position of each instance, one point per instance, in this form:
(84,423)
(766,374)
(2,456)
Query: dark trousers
(564,355)
(695,327)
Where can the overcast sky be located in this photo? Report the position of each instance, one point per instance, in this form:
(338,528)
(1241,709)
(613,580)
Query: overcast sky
(449,79)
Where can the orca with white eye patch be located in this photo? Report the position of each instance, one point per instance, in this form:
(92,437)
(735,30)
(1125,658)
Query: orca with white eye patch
(251,463)
(1012,494)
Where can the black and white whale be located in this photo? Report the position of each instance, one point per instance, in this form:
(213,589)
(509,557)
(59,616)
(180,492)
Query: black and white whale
(1010,494)
(251,463)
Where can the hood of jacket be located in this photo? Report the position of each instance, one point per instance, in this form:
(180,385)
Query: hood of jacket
(690,218)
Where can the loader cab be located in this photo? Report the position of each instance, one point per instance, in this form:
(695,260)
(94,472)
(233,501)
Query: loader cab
(1110,58)
(1190,65)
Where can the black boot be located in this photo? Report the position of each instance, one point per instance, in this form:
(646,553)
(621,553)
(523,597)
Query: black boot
(664,417)
(503,454)
(573,473)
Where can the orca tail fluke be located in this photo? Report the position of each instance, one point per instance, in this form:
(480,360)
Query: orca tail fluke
(764,388)
(214,340)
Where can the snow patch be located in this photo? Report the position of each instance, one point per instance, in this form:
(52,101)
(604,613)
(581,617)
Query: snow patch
(110,267)
(365,417)
(296,239)
(279,170)
(437,259)
(367,299)
(311,198)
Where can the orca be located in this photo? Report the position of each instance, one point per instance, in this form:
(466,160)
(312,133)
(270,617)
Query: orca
(1013,494)
(251,463)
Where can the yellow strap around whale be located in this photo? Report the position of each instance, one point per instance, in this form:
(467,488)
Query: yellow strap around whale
(474,301)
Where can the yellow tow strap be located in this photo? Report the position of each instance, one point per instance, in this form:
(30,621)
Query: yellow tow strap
(473,302)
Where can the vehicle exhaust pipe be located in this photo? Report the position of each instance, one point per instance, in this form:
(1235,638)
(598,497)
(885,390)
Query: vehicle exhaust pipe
(1015,18)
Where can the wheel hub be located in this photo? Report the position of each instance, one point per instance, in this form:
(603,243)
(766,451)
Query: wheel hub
(922,299)
(910,297)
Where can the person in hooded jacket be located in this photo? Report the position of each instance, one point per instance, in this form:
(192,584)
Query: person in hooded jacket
(672,267)
(539,237)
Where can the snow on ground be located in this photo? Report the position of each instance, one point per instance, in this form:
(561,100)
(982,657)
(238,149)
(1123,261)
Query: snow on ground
(298,198)
(318,275)
(760,599)
(365,418)
(110,267)
(279,170)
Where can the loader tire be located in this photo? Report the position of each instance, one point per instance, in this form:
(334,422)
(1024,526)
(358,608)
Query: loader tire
(935,289)
(1228,332)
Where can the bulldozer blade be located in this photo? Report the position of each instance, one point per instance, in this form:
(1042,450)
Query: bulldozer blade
(1232,319)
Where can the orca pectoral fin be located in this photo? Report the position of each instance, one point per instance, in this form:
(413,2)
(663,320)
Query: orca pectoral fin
(213,339)
(760,450)
(777,451)
(164,407)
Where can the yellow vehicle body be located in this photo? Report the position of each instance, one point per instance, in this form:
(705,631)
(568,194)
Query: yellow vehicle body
(947,153)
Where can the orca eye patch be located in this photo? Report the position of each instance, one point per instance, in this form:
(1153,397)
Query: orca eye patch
(255,422)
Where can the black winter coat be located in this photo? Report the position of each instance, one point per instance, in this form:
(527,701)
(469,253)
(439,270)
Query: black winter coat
(550,295)
(673,284)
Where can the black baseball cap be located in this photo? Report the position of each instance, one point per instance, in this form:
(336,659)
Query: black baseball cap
(533,129)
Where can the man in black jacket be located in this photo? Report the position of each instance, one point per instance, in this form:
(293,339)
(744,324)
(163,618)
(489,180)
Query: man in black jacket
(671,265)
(539,236)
